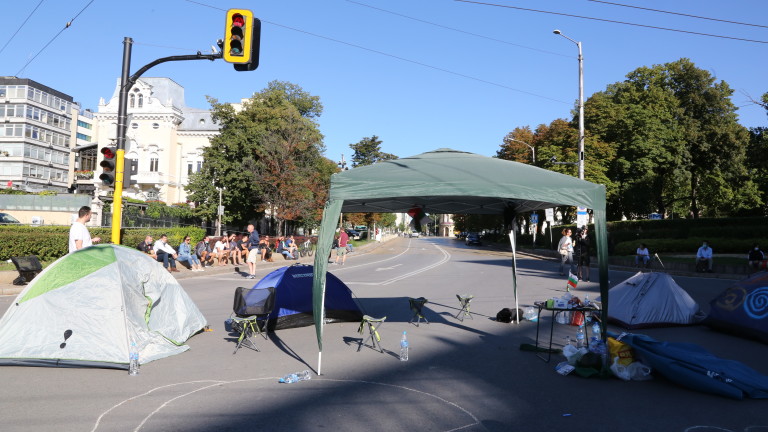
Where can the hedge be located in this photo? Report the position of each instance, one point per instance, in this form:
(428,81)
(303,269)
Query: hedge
(51,243)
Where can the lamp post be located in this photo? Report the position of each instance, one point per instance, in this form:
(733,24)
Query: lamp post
(581,104)
(533,150)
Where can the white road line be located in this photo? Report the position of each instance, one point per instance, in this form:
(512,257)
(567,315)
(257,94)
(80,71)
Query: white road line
(445,259)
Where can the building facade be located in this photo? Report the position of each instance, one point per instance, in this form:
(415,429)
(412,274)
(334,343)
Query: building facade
(36,132)
(164,135)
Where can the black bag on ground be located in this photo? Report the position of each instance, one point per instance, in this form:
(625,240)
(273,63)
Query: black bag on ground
(508,315)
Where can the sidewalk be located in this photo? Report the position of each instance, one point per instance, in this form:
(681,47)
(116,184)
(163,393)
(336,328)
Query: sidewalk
(8,289)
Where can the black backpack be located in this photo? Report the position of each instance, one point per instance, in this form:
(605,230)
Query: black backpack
(508,315)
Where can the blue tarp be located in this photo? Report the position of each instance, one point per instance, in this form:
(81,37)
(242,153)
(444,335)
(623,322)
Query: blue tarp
(742,309)
(293,299)
(694,367)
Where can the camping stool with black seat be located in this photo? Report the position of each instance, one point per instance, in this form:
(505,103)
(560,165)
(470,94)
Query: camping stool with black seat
(464,300)
(250,314)
(28,267)
(416,305)
(373,334)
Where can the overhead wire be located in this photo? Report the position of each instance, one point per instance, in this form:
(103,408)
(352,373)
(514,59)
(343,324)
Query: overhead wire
(679,14)
(396,57)
(457,30)
(68,25)
(614,21)
(22,25)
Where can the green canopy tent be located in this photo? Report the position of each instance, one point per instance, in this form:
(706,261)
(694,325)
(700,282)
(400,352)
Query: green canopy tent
(447,181)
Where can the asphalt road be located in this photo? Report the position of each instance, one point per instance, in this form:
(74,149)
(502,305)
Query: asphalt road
(467,376)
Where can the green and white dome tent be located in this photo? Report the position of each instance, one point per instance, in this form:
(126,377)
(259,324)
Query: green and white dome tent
(89,307)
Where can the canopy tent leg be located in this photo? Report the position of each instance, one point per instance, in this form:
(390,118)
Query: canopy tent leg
(514,272)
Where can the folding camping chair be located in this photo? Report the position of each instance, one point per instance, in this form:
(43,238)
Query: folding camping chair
(28,267)
(250,314)
(373,334)
(464,301)
(416,305)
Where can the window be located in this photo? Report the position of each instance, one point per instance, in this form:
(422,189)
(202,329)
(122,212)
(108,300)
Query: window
(155,125)
(141,100)
(84,125)
(199,166)
(83,137)
(132,101)
(154,163)
(134,125)
(189,168)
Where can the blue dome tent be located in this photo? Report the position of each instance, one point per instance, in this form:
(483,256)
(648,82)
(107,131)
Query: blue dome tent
(293,298)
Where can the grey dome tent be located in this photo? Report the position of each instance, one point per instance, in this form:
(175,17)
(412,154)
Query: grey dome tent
(450,181)
(89,307)
(651,300)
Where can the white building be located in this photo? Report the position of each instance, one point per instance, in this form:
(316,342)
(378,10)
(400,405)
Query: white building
(164,135)
(36,129)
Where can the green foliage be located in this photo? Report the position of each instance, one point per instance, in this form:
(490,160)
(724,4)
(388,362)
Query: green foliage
(367,151)
(268,156)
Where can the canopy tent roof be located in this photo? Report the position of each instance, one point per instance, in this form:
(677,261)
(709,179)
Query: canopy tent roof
(447,181)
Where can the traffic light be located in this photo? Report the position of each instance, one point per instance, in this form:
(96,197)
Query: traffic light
(241,39)
(130,168)
(107,175)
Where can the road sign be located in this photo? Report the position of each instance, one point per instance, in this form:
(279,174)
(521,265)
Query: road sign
(550,214)
(534,218)
(581,217)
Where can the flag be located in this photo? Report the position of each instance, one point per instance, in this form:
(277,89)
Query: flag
(572,281)
(418,218)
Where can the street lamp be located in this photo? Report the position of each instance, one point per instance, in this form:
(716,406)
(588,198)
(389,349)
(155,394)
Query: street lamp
(533,150)
(581,104)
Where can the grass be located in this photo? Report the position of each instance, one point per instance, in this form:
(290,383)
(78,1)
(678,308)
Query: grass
(8,266)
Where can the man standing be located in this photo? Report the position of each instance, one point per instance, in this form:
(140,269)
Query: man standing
(341,251)
(166,254)
(253,251)
(79,237)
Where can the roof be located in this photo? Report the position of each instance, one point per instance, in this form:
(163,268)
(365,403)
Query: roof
(447,181)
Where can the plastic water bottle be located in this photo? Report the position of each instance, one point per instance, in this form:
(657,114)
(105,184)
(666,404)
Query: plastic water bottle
(133,364)
(297,376)
(586,300)
(596,330)
(404,348)
(580,342)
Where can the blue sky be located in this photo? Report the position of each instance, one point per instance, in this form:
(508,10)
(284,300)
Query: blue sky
(420,75)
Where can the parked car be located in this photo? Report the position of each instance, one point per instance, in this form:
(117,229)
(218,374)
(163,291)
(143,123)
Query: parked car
(6,219)
(414,234)
(473,238)
(353,234)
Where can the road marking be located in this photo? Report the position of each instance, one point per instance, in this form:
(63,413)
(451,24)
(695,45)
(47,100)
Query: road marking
(388,268)
(445,259)
(216,383)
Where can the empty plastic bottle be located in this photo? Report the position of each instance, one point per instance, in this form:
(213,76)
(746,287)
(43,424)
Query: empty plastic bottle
(580,342)
(596,330)
(404,347)
(296,376)
(133,364)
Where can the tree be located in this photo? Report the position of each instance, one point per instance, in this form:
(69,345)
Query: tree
(677,142)
(267,157)
(367,151)
(514,146)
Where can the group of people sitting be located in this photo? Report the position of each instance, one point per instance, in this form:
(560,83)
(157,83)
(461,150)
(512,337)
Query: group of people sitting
(703,257)
(232,249)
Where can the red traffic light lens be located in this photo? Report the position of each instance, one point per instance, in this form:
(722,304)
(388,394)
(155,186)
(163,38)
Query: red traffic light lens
(237,20)
(108,153)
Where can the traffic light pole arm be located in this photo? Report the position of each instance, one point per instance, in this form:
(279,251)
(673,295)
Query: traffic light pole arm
(126,83)
(199,56)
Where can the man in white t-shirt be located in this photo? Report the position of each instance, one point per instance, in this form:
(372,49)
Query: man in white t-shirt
(79,237)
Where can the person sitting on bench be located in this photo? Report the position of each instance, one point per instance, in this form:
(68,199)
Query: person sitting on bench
(642,257)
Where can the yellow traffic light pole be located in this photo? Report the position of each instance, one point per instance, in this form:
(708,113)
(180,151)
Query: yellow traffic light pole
(117,197)
(247,34)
